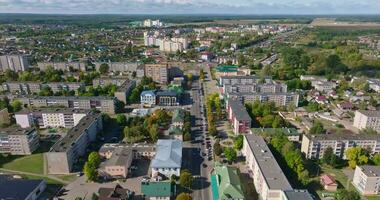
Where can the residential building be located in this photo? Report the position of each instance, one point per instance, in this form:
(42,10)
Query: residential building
(4,116)
(66,86)
(226,183)
(124,67)
(103,104)
(313,79)
(238,117)
(158,190)
(138,150)
(328,182)
(63,154)
(158,72)
(64,66)
(226,70)
(148,98)
(173,44)
(242,80)
(14,63)
(124,90)
(374,84)
(313,146)
(178,118)
(50,117)
(168,158)
(367,119)
(20,189)
(297,195)
(269,180)
(367,179)
(103,81)
(324,86)
(291,133)
(117,165)
(115,193)
(168,98)
(254,88)
(152,23)
(18,141)
(280,99)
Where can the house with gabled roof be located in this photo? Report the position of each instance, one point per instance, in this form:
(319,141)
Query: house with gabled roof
(226,184)
(168,158)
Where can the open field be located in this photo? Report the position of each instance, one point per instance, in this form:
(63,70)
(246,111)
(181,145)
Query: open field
(326,22)
(32,164)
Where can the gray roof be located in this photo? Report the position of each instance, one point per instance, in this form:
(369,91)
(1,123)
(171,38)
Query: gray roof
(370,113)
(166,93)
(76,132)
(370,170)
(12,188)
(298,195)
(67,97)
(126,85)
(119,157)
(273,175)
(168,154)
(16,131)
(53,110)
(239,110)
(345,136)
(135,147)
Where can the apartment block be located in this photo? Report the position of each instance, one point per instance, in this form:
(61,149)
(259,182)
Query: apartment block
(367,179)
(125,67)
(313,146)
(65,153)
(158,72)
(64,66)
(242,80)
(50,117)
(103,81)
(269,180)
(124,90)
(255,88)
(280,99)
(103,104)
(238,116)
(367,119)
(18,141)
(14,63)
(35,87)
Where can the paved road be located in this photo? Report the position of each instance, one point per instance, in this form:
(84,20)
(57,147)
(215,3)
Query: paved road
(193,158)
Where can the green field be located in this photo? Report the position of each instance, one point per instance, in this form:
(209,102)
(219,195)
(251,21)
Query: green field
(32,164)
(373,198)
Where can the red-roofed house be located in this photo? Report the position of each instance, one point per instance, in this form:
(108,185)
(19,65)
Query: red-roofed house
(328,183)
(321,99)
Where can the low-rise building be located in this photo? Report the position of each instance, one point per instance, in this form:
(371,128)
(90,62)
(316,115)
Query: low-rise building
(178,118)
(18,141)
(158,190)
(269,180)
(20,189)
(238,117)
(168,158)
(328,182)
(168,98)
(50,117)
(367,179)
(115,193)
(374,84)
(148,98)
(226,183)
(367,119)
(124,90)
(313,146)
(63,154)
(117,165)
(324,86)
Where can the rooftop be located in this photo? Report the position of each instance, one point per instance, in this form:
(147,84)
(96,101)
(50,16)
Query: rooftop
(228,183)
(15,188)
(157,189)
(76,132)
(371,170)
(119,157)
(68,97)
(112,193)
(126,85)
(168,154)
(273,175)
(53,110)
(16,131)
(239,110)
(345,136)
(370,113)
(298,194)
(226,68)
(274,131)
(148,92)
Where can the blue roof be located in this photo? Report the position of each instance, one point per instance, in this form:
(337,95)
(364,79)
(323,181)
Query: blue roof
(168,154)
(148,92)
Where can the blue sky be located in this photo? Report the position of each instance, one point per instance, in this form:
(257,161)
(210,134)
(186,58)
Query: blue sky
(191,6)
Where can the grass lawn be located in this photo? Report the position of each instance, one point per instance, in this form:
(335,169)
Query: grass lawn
(373,198)
(32,163)
(339,176)
(68,178)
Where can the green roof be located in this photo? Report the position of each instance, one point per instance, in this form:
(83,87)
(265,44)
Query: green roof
(157,189)
(228,183)
(276,131)
(226,68)
(178,115)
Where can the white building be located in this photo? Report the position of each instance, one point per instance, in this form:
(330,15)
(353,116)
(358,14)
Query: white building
(367,119)
(50,117)
(367,179)
(152,23)
(168,158)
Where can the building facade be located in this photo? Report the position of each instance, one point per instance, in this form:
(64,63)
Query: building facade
(18,141)
(168,158)
(148,98)
(367,179)
(14,63)
(124,90)
(367,119)
(158,72)
(238,117)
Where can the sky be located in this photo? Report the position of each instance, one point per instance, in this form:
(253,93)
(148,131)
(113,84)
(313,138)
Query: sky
(234,7)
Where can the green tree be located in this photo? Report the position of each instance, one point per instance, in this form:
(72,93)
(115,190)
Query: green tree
(376,159)
(230,154)
(153,132)
(90,167)
(104,68)
(16,106)
(317,128)
(356,156)
(329,157)
(218,150)
(186,178)
(346,195)
(184,196)
(121,119)
(94,197)
(238,143)
(94,159)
